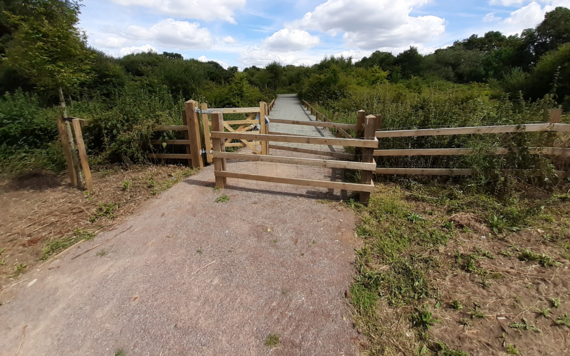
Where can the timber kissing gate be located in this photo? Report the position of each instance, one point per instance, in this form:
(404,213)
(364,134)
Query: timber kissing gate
(365,143)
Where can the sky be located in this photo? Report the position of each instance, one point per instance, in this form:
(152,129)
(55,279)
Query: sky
(244,33)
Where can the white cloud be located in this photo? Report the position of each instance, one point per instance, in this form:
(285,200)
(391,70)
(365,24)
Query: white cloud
(229,40)
(491,18)
(286,40)
(356,54)
(142,49)
(371,24)
(205,59)
(112,42)
(207,10)
(525,17)
(257,56)
(173,34)
(507,2)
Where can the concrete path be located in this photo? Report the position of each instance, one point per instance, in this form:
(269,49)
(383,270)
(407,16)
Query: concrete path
(189,276)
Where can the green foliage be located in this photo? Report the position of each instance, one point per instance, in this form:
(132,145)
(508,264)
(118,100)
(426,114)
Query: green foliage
(543,259)
(47,47)
(423,318)
(525,325)
(563,320)
(222,199)
(272,340)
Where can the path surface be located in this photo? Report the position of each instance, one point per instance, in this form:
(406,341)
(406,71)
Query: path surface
(188,276)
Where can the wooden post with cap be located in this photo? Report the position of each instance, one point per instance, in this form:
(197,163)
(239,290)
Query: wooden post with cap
(367,156)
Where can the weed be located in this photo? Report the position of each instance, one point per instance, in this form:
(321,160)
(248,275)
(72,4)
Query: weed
(464,322)
(511,350)
(222,199)
(126,185)
(151,183)
(120,353)
(102,253)
(423,319)
(545,312)
(555,302)
(505,253)
(563,320)
(456,305)
(448,225)
(19,269)
(524,325)
(275,241)
(484,253)
(2,251)
(412,217)
(444,350)
(105,211)
(543,259)
(272,340)
(216,189)
(477,314)
(199,251)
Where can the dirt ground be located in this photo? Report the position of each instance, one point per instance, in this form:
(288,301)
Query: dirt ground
(41,212)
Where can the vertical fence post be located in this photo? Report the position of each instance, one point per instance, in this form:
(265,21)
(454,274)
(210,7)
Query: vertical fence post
(67,151)
(360,132)
(194,133)
(555,117)
(83,155)
(187,137)
(207,137)
(219,166)
(367,155)
(264,128)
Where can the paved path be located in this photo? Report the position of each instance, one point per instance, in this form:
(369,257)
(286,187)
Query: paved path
(188,276)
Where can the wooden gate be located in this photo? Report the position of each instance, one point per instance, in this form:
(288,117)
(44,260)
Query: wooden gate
(254,123)
(367,143)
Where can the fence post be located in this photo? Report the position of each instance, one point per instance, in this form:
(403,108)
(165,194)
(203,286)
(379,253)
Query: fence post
(67,151)
(83,155)
(194,133)
(360,131)
(367,155)
(219,163)
(555,117)
(264,128)
(207,137)
(187,137)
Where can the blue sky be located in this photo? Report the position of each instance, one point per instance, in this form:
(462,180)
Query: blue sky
(254,32)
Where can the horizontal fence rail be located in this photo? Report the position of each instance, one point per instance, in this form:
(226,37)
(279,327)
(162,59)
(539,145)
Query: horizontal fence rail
(315,124)
(298,139)
(453,172)
(565,152)
(298,161)
(172,128)
(236,110)
(298,181)
(546,127)
(340,155)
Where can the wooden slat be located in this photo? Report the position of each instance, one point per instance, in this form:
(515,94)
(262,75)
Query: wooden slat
(287,134)
(241,144)
(340,155)
(83,155)
(561,127)
(425,171)
(170,142)
(236,110)
(315,124)
(466,151)
(207,138)
(468,130)
(242,122)
(298,161)
(172,128)
(299,139)
(296,181)
(170,156)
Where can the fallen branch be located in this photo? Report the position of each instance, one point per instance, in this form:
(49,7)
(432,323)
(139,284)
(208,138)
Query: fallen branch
(201,268)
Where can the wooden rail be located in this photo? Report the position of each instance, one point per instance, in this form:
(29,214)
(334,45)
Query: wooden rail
(299,161)
(452,171)
(545,127)
(297,181)
(298,139)
(555,151)
(317,114)
(315,124)
(237,110)
(340,155)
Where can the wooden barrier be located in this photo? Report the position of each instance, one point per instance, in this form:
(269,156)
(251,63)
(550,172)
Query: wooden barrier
(480,130)
(191,141)
(553,151)
(220,156)
(315,124)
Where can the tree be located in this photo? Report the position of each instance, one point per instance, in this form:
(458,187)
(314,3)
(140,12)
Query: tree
(275,71)
(50,50)
(553,32)
(410,62)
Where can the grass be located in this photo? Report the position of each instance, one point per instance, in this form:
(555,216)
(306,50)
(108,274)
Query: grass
(563,320)
(272,340)
(105,211)
(222,199)
(511,350)
(102,253)
(19,269)
(543,259)
(63,243)
(120,352)
(524,325)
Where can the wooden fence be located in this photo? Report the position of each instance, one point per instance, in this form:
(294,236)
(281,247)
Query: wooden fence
(367,142)
(554,125)
(192,141)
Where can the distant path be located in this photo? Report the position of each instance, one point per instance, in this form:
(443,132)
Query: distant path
(188,276)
